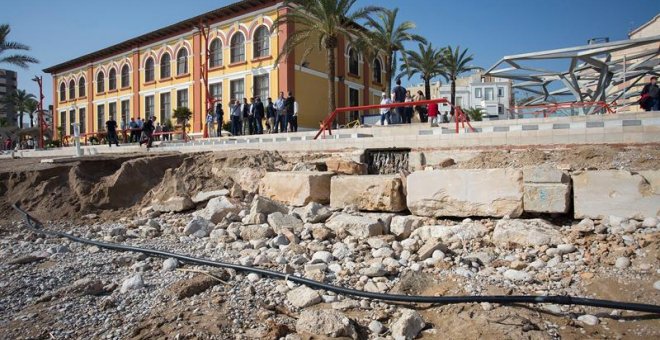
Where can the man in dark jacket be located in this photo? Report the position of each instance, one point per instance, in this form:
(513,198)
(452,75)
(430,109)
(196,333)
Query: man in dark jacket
(289,106)
(245,109)
(650,100)
(259,115)
(219,117)
(148,130)
(111,128)
(271,113)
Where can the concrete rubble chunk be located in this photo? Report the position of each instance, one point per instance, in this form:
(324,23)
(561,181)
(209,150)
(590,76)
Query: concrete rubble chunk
(297,188)
(465,193)
(313,213)
(408,325)
(368,193)
(346,167)
(196,225)
(358,226)
(263,205)
(461,232)
(204,196)
(174,204)
(402,226)
(279,221)
(256,232)
(132,283)
(326,323)
(429,247)
(598,194)
(534,232)
(216,209)
(303,296)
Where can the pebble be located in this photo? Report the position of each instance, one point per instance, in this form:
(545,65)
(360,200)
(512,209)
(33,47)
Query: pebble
(656,285)
(132,283)
(517,275)
(376,327)
(622,262)
(650,222)
(322,257)
(566,248)
(588,319)
(253,277)
(170,265)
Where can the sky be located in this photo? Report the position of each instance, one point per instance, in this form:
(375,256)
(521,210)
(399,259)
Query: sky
(58,31)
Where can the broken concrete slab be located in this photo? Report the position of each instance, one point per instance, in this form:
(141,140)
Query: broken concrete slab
(174,204)
(359,226)
(204,196)
(297,188)
(368,193)
(534,232)
(466,192)
(598,194)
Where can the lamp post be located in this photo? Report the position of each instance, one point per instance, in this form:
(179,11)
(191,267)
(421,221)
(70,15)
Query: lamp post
(40,110)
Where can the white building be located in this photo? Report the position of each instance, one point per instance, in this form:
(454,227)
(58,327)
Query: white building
(493,95)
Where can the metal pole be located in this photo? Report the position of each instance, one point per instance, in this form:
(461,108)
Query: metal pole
(40,110)
(624,79)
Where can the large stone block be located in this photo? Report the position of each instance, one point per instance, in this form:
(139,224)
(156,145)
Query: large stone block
(544,174)
(598,194)
(547,198)
(466,192)
(368,193)
(297,188)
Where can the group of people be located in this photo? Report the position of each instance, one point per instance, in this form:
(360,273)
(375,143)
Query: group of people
(142,131)
(256,117)
(406,114)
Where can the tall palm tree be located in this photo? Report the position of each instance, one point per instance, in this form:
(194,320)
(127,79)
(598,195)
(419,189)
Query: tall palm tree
(388,38)
(21,101)
(31,108)
(19,60)
(455,63)
(319,24)
(427,63)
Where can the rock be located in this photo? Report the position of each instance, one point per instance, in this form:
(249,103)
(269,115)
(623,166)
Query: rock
(622,262)
(322,256)
(303,296)
(132,283)
(656,285)
(585,226)
(408,325)
(197,284)
(346,167)
(216,209)
(375,270)
(252,277)
(485,192)
(650,222)
(204,196)
(429,247)
(402,226)
(517,275)
(447,162)
(376,327)
(25,259)
(368,193)
(197,224)
(358,226)
(462,232)
(117,231)
(547,198)
(149,232)
(85,286)
(597,194)
(544,174)
(58,250)
(174,204)
(313,213)
(615,221)
(256,232)
(534,232)
(321,233)
(236,191)
(263,205)
(589,320)
(326,323)
(297,188)
(170,265)
(566,248)
(279,222)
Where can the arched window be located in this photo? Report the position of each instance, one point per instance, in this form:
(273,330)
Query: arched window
(237,48)
(149,70)
(182,62)
(261,42)
(125,77)
(215,51)
(353,62)
(82,87)
(377,70)
(100,82)
(112,79)
(165,67)
(72,89)
(62,92)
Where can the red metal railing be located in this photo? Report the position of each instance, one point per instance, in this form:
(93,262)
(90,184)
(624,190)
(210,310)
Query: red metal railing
(461,118)
(550,109)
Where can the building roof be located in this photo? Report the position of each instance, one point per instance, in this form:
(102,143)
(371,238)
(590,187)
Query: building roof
(656,17)
(212,16)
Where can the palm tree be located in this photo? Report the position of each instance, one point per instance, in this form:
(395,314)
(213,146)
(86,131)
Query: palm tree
(319,24)
(455,63)
(427,63)
(388,38)
(31,107)
(21,101)
(19,60)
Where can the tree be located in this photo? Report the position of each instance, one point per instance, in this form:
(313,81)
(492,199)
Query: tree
(475,114)
(427,63)
(31,108)
(455,63)
(319,24)
(182,115)
(21,101)
(19,60)
(388,38)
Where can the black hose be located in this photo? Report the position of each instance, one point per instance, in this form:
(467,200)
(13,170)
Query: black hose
(501,299)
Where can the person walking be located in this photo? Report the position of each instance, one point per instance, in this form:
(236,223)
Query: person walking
(235,113)
(270,116)
(111,128)
(294,119)
(259,113)
(252,117)
(433,114)
(219,118)
(385,111)
(209,124)
(650,96)
(279,108)
(134,130)
(147,132)
(399,96)
(289,107)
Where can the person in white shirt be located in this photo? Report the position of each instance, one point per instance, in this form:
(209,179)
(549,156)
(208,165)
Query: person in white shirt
(385,112)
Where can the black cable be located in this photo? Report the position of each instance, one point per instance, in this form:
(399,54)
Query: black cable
(501,299)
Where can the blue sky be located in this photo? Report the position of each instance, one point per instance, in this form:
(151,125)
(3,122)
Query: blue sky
(61,30)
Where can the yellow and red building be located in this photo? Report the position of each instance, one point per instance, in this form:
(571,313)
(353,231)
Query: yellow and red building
(159,71)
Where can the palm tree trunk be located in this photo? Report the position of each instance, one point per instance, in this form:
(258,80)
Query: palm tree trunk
(388,72)
(31,120)
(332,103)
(453,93)
(427,88)
(20,120)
